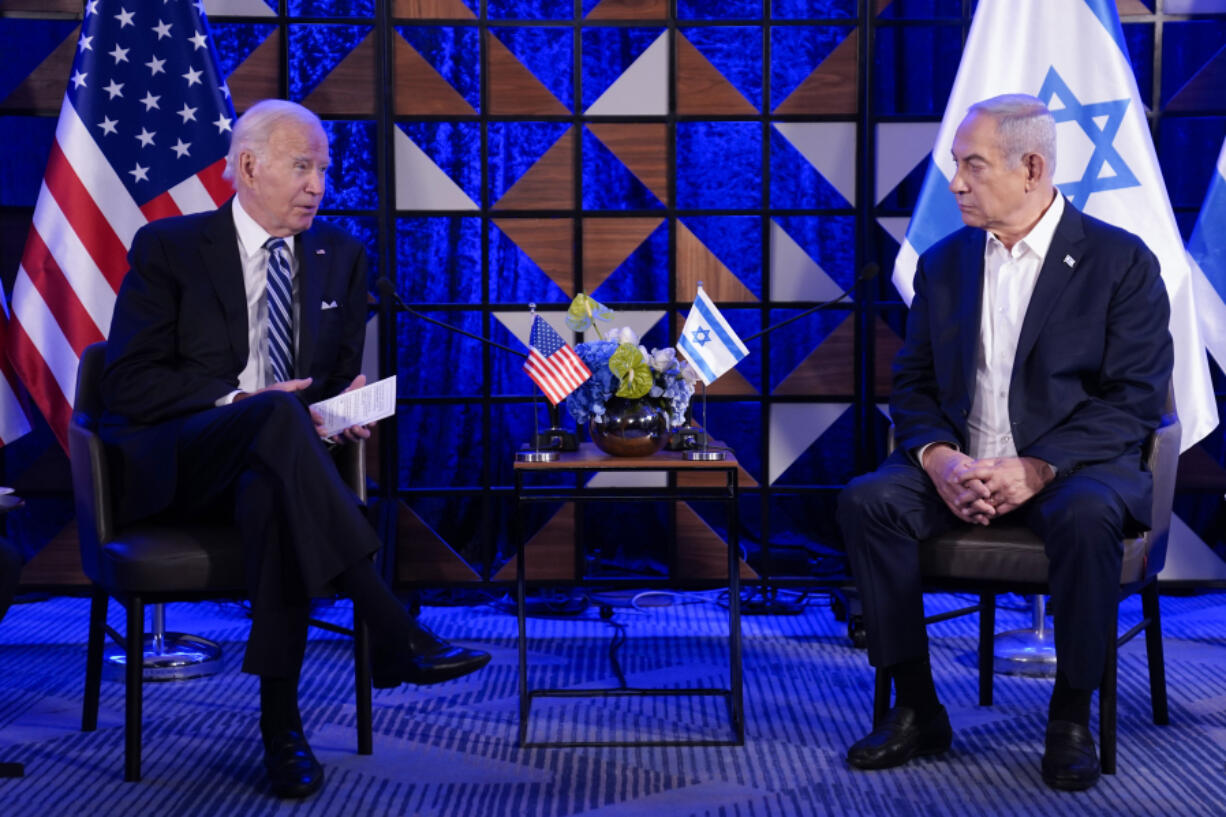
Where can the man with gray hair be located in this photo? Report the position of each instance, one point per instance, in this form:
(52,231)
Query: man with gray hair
(1036,363)
(227,326)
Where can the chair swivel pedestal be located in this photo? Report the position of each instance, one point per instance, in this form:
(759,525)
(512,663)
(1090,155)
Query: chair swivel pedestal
(1029,651)
(168,656)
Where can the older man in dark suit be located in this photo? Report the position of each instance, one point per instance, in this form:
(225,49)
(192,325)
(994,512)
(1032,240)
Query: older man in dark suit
(1036,363)
(227,326)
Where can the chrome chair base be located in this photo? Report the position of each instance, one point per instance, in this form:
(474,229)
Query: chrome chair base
(1027,652)
(178,657)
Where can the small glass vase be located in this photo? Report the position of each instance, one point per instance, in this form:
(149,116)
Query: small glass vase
(630,428)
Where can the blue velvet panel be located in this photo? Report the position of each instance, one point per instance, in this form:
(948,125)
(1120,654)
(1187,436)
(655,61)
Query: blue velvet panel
(625,539)
(829,240)
(588,5)
(796,341)
(530,9)
(736,51)
(795,183)
(806,520)
(921,9)
(351,176)
(1139,38)
(515,278)
(25,44)
(366,230)
(1186,47)
(643,276)
(235,42)
(438,260)
(434,361)
(516,146)
(315,50)
(830,460)
(722,10)
(812,9)
(437,445)
(331,8)
(607,53)
(608,184)
(1187,151)
(736,241)
(548,53)
(719,165)
(739,425)
(27,143)
(915,68)
(511,427)
(453,51)
(455,147)
(796,51)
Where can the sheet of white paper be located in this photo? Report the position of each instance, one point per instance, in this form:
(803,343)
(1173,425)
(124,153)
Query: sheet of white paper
(358,407)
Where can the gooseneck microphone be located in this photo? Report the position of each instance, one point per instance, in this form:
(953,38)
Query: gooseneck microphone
(867,273)
(388,290)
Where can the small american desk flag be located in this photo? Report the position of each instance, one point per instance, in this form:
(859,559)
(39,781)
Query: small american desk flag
(552,364)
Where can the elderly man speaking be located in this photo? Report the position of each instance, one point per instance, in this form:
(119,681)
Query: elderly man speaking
(1036,362)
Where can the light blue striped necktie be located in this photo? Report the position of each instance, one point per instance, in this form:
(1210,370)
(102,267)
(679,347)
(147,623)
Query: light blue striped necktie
(280,314)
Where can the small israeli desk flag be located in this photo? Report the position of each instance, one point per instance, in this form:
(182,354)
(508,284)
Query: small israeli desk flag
(708,342)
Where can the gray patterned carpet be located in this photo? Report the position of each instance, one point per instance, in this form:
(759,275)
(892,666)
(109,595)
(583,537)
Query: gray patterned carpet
(451,750)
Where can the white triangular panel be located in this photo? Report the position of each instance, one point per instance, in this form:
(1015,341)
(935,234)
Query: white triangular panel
(519,324)
(421,184)
(642,89)
(896,226)
(641,321)
(794,275)
(884,408)
(237,8)
(628,479)
(795,427)
(830,147)
(1188,558)
(900,147)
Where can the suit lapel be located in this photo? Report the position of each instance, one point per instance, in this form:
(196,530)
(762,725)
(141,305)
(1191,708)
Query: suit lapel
(1054,277)
(313,265)
(224,267)
(970,273)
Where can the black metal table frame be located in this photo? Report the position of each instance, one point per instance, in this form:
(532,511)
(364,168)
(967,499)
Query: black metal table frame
(734,693)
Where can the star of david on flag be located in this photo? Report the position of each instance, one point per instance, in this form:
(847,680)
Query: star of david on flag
(708,342)
(1071,55)
(552,364)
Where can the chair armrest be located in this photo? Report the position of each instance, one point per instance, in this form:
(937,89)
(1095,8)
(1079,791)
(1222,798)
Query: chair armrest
(350,459)
(1162,457)
(91,492)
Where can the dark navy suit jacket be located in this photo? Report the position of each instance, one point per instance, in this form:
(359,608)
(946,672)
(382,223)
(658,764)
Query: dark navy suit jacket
(1093,361)
(178,338)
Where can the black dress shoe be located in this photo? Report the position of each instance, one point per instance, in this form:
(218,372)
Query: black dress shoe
(443,663)
(1070,762)
(900,738)
(292,768)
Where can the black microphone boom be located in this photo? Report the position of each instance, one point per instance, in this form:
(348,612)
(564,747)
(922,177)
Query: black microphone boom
(868,273)
(388,290)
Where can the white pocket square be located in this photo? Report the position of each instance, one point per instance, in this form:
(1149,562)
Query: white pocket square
(327,305)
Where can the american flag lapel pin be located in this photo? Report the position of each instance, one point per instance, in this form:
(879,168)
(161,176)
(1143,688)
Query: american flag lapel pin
(1068,259)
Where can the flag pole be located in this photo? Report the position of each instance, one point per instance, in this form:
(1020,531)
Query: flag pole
(535,453)
(705,454)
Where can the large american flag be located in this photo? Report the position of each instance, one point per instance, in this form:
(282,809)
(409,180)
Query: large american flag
(552,364)
(142,134)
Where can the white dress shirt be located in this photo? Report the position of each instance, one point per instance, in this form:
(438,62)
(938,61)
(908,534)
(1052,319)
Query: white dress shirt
(251,238)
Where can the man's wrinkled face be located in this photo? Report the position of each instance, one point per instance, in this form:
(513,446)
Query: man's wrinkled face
(990,191)
(284,185)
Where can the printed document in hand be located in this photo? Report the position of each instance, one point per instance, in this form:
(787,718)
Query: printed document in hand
(358,407)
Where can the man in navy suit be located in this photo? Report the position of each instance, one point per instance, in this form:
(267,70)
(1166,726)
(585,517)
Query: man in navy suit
(227,326)
(1036,363)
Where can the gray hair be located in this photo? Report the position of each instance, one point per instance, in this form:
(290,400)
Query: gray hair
(1024,124)
(253,128)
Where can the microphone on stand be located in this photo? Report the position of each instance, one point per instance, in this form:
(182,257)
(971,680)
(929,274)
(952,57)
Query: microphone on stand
(867,273)
(554,438)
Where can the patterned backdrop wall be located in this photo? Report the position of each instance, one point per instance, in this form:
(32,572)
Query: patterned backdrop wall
(494,154)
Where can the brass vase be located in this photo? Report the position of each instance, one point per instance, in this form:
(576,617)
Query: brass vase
(630,428)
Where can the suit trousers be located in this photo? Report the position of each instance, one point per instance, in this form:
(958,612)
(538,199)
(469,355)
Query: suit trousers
(261,462)
(883,515)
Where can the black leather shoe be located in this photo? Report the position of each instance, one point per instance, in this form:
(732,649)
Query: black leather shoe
(292,768)
(443,663)
(1070,762)
(900,738)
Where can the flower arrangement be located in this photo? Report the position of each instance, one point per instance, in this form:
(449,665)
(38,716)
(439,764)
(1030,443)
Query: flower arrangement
(622,367)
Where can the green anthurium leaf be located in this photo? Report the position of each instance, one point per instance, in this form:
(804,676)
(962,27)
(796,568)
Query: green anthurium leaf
(635,375)
(583,310)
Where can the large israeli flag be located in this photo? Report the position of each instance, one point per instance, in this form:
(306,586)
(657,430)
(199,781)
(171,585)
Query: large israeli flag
(1071,55)
(1208,251)
(708,342)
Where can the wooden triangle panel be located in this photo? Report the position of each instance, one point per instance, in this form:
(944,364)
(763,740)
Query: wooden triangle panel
(549,184)
(887,344)
(70,7)
(421,90)
(701,554)
(832,88)
(731,382)
(641,147)
(513,90)
(348,89)
(697,263)
(547,241)
(43,88)
(702,89)
(630,10)
(58,562)
(829,369)
(882,5)
(1203,92)
(432,10)
(550,554)
(607,242)
(422,556)
(1131,7)
(256,77)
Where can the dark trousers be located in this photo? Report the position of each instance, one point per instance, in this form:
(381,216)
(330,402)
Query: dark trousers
(1080,520)
(261,462)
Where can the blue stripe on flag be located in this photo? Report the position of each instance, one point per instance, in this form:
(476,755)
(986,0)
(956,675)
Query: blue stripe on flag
(936,213)
(696,360)
(1105,11)
(1207,245)
(721,330)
